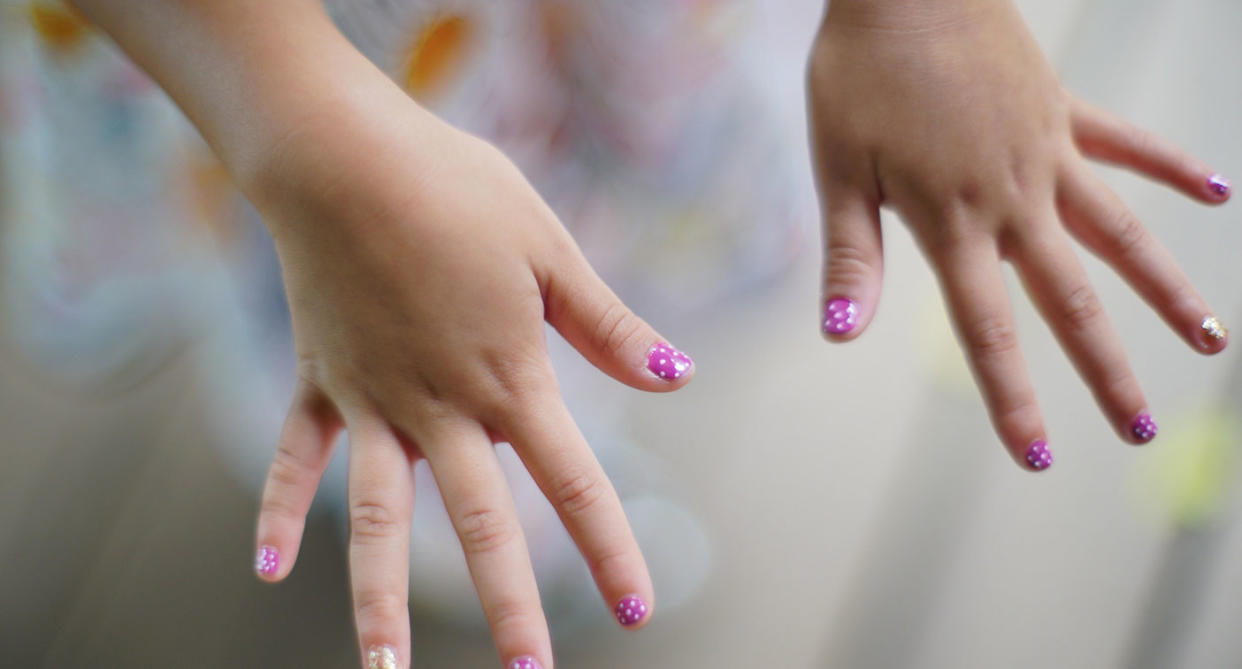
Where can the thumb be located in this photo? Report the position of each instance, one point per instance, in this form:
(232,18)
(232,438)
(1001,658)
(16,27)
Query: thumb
(594,320)
(853,263)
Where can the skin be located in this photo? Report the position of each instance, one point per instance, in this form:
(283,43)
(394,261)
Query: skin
(420,269)
(947,112)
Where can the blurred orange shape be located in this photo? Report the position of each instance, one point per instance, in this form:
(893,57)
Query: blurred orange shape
(61,28)
(439,50)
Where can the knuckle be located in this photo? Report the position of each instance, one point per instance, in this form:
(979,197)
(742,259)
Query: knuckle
(1128,233)
(507,614)
(484,531)
(379,606)
(1016,421)
(372,520)
(616,328)
(605,559)
(846,265)
(578,492)
(1080,308)
(991,337)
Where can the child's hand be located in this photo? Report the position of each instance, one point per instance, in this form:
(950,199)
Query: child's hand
(420,268)
(947,112)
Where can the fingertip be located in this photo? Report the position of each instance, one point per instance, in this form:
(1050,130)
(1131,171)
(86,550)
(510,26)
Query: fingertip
(267,564)
(1219,190)
(1038,456)
(670,366)
(841,319)
(1212,337)
(1142,428)
(632,612)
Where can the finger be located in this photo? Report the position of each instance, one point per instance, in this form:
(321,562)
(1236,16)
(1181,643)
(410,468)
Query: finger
(594,320)
(482,511)
(381,503)
(561,462)
(974,289)
(853,262)
(302,454)
(1103,223)
(1112,139)
(1058,285)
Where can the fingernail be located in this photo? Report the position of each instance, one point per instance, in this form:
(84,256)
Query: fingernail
(631,610)
(667,362)
(1219,185)
(1144,427)
(1212,328)
(1038,456)
(381,657)
(266,561)
(525,662)
(840,315)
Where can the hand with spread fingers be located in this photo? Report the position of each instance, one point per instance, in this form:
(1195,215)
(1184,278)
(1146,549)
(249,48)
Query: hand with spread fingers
(947,112)
(420,268)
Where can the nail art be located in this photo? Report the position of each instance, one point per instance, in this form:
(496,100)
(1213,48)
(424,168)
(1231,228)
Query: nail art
(667,362)
(381,657)
(840,315)
(1212,328)
(525,662)
(266,561)
(1038,456)
(630,610)
(1219,185)
(1144,427)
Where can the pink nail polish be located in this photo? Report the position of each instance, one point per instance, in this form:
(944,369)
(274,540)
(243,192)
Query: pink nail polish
(525,662)
(840,315)
(1038,456)
(1144,427)
(1219,185)
(631,610)
(266,561)
(667,362)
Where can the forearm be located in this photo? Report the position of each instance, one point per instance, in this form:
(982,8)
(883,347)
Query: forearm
(904,15)
(247,73)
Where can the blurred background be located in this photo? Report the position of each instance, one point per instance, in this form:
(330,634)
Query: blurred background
(802,505)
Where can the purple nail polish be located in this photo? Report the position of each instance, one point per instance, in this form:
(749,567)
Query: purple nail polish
(1038,456)
(525,662)
(1219,185)
(266,561)
(631,610)
(1144,427)
(840,315)
(667,362)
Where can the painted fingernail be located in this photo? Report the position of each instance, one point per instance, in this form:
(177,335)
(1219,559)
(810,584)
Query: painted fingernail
(840,315)
(381,657)
(1038,456)
(631,610)
(1219,185)
(1212,328)
(667,362)
(266,561)
(1144,427)
(525,662)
